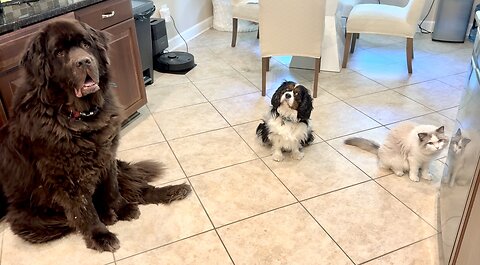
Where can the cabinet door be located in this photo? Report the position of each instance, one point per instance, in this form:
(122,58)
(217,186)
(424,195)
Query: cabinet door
(3,115)
(7,88)
(125,66)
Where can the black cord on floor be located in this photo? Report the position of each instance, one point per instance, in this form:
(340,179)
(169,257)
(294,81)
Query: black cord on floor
(175,26)
(423,30)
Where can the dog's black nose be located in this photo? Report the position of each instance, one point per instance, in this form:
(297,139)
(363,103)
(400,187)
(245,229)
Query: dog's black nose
(83,62)
(287,96)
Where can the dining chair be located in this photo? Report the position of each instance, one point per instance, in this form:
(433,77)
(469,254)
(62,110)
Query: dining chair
(384,20)
(245,10)
(289,28)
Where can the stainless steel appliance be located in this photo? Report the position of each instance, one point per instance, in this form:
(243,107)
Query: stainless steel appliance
(459,198)
(451,20)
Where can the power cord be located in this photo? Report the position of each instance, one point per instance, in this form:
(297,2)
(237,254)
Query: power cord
(175,26)
(423,30)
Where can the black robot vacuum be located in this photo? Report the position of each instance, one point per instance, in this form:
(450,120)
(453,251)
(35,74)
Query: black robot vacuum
(174,62)
(168,62)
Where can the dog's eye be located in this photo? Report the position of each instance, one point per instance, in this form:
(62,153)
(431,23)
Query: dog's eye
(59,53)
(85,45)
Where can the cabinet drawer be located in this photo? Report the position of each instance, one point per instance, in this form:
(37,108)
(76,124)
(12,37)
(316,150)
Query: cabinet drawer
(105,14)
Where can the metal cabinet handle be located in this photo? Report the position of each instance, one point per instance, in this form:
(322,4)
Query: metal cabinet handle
(108,15)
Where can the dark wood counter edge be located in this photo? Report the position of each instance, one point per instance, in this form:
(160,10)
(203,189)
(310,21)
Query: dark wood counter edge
(24,22)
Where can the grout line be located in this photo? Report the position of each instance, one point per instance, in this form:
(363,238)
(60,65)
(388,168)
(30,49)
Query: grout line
(336,243)
(398,199)
(400,248)
(164,245)
(199,200)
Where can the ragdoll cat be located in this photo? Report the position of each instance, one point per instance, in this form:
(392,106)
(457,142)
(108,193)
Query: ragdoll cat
(408,147)
(458,143)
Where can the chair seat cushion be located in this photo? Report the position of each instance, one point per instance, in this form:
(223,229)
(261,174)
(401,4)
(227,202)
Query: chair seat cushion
(380,19)
(246,10)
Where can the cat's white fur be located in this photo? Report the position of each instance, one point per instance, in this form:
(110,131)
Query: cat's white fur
(403,150)
(286,134)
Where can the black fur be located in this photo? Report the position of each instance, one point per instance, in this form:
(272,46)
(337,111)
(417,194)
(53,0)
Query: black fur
(263,132)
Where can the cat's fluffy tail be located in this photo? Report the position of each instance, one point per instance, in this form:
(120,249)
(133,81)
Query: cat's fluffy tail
(362,143)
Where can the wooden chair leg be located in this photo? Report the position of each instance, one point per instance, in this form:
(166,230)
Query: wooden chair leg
(234,32)
(409,54)
(315,78)
(354,41)
(265,66)
(346,50)
(258,34)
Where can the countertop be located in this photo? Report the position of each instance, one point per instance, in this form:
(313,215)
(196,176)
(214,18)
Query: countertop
(22,15)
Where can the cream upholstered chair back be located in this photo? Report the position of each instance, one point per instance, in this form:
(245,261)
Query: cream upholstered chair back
(414,10)
(290,27)
(385,20)
(244,10)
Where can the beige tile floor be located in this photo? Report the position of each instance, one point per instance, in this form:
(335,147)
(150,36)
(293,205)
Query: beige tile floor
(333,207)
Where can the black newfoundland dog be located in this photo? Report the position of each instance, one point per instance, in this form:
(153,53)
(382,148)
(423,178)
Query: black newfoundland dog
(58,171)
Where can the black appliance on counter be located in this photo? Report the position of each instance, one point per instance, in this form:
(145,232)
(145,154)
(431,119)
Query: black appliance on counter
(142,11)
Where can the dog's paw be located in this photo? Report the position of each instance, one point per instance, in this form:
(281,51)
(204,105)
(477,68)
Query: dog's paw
(128,212)
(178,192)
(277,157)
(103,241)
(399,173)
(298,155)
(414,178)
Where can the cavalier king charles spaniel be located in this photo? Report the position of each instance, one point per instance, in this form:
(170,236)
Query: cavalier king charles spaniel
(286,127)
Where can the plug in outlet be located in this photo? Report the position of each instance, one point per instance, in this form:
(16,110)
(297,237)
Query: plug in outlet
(165,13)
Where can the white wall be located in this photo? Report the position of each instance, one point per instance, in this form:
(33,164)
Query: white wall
(191,17)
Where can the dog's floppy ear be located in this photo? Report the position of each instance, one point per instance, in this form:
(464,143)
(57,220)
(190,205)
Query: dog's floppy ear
(305,108)
(35,61)
(278,94)
(100,39)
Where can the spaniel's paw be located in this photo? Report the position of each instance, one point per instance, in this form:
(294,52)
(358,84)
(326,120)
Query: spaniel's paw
(278,157)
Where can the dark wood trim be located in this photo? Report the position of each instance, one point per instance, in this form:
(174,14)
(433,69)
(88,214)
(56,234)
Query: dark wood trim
(409,54)
(354,42)
(234,31)
(346,50)
(315,77)
(265,67)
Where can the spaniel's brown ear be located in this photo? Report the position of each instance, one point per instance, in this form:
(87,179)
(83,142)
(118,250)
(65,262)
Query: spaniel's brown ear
(35,61)
(306,106)
(101,40)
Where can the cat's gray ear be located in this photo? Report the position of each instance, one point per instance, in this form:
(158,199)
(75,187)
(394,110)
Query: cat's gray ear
(422,136)
(441,129)
(466,141)
(459,132)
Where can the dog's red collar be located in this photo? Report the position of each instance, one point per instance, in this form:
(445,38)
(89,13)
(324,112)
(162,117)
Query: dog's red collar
(79,115)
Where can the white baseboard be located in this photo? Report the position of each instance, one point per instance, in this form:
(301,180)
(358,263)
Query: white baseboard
(192,32)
